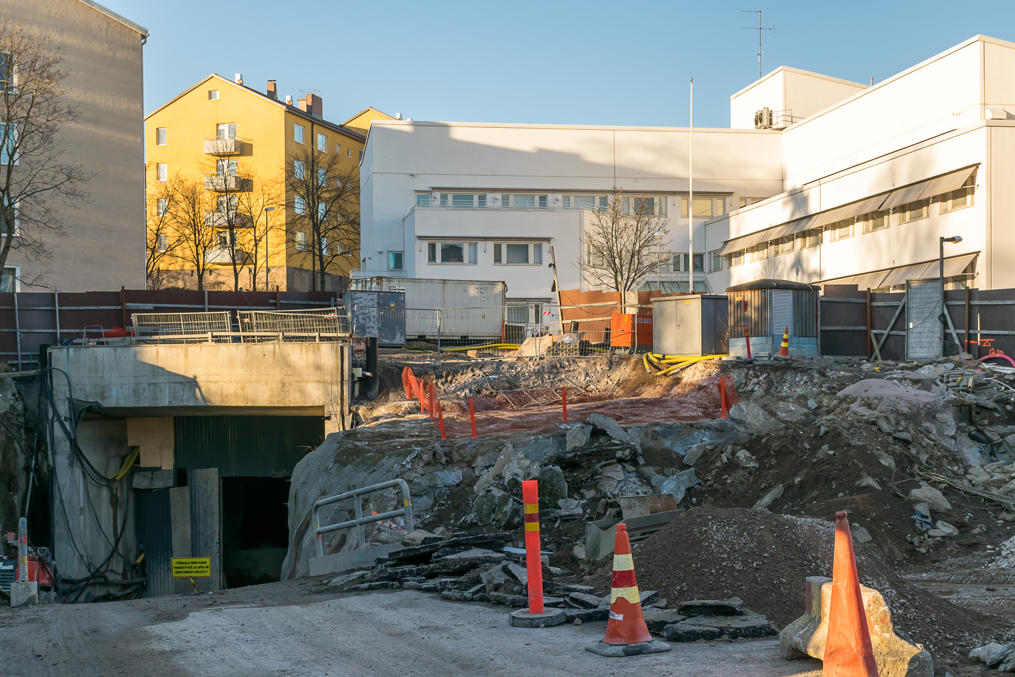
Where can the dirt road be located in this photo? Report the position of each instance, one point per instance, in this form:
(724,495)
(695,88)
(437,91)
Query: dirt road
(290,629)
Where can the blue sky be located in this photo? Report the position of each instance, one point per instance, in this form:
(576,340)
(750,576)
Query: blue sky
(582,62)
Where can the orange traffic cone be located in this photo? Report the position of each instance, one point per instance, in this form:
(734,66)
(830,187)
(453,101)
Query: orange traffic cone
(848,649)
(784,346)
(626,632)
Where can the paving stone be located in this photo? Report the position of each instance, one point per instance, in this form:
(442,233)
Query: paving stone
(506,599)
(657,619)
(688,632)
(456,596)
(452,584)
(586,615)
(750,626)
(712,607)
(516,572)
(582,600)
(422,553)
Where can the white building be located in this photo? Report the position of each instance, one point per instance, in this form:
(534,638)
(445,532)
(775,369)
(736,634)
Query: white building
(818,179)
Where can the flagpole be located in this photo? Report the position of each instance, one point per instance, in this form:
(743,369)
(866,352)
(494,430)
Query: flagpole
(690,196)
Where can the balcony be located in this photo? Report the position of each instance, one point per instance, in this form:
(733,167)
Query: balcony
(225,182)
(222,256)
(223,146)
(222,219)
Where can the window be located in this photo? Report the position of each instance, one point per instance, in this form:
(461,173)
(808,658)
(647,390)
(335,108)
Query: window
(841,229)
(226,204)
(324,246)
(322,211)
(716,261)
(299,169)
(224,240)
(463,200)
(162,206)
(600,202)
(524,201)
(517,253)
(645,205)
(452,252)
(8,143)
(679,262)
(348,152)
(699,263)
(338,183)
(322,177)
(226,167)
(914,211)
(758,253)
(9,279)
(783,246)
(875,221)
(737,259)
(299,205)
(704,207)
(395,261)
(811,238)
(958,199)
(299,131)
(17,225)
(160,136)
(213,95)
(338,149)
(594,257)
(744,201)
(361,156)
(6,72)
(162,243)
(423,199)
(322,143)
(301,241)
(225,130)
(161,171)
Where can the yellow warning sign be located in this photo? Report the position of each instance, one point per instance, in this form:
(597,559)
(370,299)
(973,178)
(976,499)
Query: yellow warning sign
(191,567)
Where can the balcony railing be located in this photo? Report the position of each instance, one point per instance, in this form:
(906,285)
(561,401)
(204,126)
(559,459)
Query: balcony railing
(224,219)
(223,146)
(225,182)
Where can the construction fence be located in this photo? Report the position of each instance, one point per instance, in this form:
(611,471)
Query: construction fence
(30,320)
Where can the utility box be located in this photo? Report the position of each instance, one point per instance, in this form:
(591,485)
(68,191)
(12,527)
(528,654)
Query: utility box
(689,324)
(766,308)
(377,314)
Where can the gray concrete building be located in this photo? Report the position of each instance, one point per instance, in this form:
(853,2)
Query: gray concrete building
(102,245)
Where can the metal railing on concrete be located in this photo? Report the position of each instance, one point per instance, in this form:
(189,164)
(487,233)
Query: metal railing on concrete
(164,324)
(360,520)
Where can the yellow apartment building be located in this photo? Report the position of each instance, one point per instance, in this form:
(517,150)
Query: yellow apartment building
(233,176)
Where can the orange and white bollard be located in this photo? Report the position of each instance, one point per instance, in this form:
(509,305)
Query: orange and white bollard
(536,616)
(472,418)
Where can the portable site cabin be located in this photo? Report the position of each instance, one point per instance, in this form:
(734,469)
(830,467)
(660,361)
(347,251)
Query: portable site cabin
(690,324)
(766,308)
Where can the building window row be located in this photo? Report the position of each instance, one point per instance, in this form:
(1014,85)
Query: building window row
(632,204)
(864,223)
(452,252)
(518,253)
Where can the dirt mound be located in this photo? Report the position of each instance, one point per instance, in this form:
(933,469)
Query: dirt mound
(763,558)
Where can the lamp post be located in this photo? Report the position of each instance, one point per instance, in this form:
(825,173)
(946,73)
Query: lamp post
(941,274)
(267,284)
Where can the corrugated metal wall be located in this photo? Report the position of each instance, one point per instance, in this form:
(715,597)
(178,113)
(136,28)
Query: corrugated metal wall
(153,527)
(749,307)
(805,313)
(245,446)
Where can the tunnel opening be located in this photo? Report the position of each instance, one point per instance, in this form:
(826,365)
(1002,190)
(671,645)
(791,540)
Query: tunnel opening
(255,529)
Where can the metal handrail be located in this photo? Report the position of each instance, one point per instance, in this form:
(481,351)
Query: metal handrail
(360,520)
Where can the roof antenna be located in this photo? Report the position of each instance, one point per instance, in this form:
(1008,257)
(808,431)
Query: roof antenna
(761,29)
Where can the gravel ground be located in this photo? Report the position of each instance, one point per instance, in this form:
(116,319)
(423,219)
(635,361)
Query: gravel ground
(288,629)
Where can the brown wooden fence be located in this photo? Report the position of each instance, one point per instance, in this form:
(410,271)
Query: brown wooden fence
(29,320)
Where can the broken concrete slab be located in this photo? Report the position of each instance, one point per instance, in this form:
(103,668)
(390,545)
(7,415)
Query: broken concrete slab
(423,553)
(582,600)
(610,427)
(657,619)
(586,615)
(712,607)
(687,631)
(931,496)
(895,656)
(772,495)
(750,626)
(577,437)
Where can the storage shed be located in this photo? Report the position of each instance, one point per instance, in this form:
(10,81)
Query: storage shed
(766,308)
(689,324)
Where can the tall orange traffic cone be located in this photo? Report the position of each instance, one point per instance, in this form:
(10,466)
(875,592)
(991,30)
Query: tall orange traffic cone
(784,346)
(848,649)
(626,632)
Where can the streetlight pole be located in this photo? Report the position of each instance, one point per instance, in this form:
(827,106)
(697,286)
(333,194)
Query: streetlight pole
(267,231)
(941,275)
(690,194)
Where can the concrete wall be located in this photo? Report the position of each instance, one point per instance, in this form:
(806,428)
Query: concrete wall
(792,91)
(103,245)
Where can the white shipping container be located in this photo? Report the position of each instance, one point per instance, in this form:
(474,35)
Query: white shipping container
(468,308)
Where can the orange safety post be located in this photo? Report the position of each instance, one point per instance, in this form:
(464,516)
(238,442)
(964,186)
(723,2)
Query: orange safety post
(722,396)
(433,401)
(626,631)
(533,558)
(472,418)
(563,399)
(440,418)
(848,648)
(406,382)
(747,338)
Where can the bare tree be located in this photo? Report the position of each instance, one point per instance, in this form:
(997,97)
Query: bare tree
(163,238)
(192,222)
(325,200)
(33,108)
(619,243)
(256,206)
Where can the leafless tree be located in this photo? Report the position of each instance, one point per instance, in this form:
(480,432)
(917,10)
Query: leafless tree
(33,174)
(257,206)
(195,233)
(163,238)
(620,242)
(325,201)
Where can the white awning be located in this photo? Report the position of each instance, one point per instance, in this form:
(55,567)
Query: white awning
(892,277)
(945,183)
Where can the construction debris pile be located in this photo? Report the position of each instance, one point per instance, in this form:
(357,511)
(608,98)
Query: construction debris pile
(1001,657)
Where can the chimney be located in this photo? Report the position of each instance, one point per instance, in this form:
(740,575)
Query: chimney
(238,78)
(398,116)
(271,90)
(315,106)
(288,99)
(302,104)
